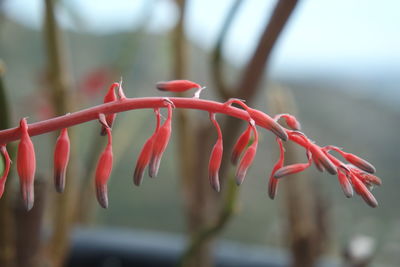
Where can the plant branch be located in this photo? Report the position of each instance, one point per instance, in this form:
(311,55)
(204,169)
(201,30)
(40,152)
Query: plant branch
(217,60)
(90,114)
(254,70)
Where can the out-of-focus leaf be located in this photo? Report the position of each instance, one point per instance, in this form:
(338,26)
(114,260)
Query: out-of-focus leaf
(2,165)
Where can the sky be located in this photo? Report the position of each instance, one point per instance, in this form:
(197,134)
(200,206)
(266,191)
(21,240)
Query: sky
(353,36)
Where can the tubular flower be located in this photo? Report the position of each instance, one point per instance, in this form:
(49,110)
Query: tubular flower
(110,97)
(345,183)
(26,165)
(294,168)
(240,145)
(248,157)
(177,86)
(273,182)
(103,171)
(145,155)
(291,121)
(322,159)
(363,191)
(61,158)
(7,163)
(216,157)
(355,160)
(354,174)
(160,143)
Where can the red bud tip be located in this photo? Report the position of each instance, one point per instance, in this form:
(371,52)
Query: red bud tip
(345,184)
(161,140)
(103,171)
(26,165)
(240,145)
(177,86)
(7,165)
(359,162)
(61,159)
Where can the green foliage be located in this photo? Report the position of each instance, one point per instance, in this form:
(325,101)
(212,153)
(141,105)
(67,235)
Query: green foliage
(2,165)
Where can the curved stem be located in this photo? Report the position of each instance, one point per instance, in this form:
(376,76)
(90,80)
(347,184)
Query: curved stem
(92,113)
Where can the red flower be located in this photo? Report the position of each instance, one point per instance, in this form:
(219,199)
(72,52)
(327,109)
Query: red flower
(7,163)
(177,86)
(145,155)
(363,191)
(344,183)
(216,157)
(248,157)
(294,168)
(26,165)
(161,141)
(240,145)
(61,158)
(103,171)
(273,182)
(291,121)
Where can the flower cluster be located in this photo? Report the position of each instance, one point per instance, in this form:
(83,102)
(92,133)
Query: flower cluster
(355,175)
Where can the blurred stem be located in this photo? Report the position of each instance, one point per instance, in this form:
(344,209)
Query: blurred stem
(255,69)
(226,212)
(188,158)
(7,219)
(59,82)
(306,214)
(217,60)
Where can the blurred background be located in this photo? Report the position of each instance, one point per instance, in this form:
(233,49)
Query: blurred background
(334,64)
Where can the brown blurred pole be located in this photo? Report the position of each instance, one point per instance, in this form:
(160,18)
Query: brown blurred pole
(207,212)
(59,83)
(304,209)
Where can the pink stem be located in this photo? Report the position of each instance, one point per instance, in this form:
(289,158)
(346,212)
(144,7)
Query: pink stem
(92,113)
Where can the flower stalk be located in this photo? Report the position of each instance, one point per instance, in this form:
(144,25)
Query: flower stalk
(357,174)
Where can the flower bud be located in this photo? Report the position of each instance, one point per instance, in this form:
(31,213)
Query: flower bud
(161,141)
(345,184)
(273,182)
(359,162)
(216,157)
(240,145)
(363,191)
(61,158)
(26,165)
(267,122)
(103,171)
(291,169)
(146,153)
(143,160)
(247,159)
(177,86)
(319,156)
